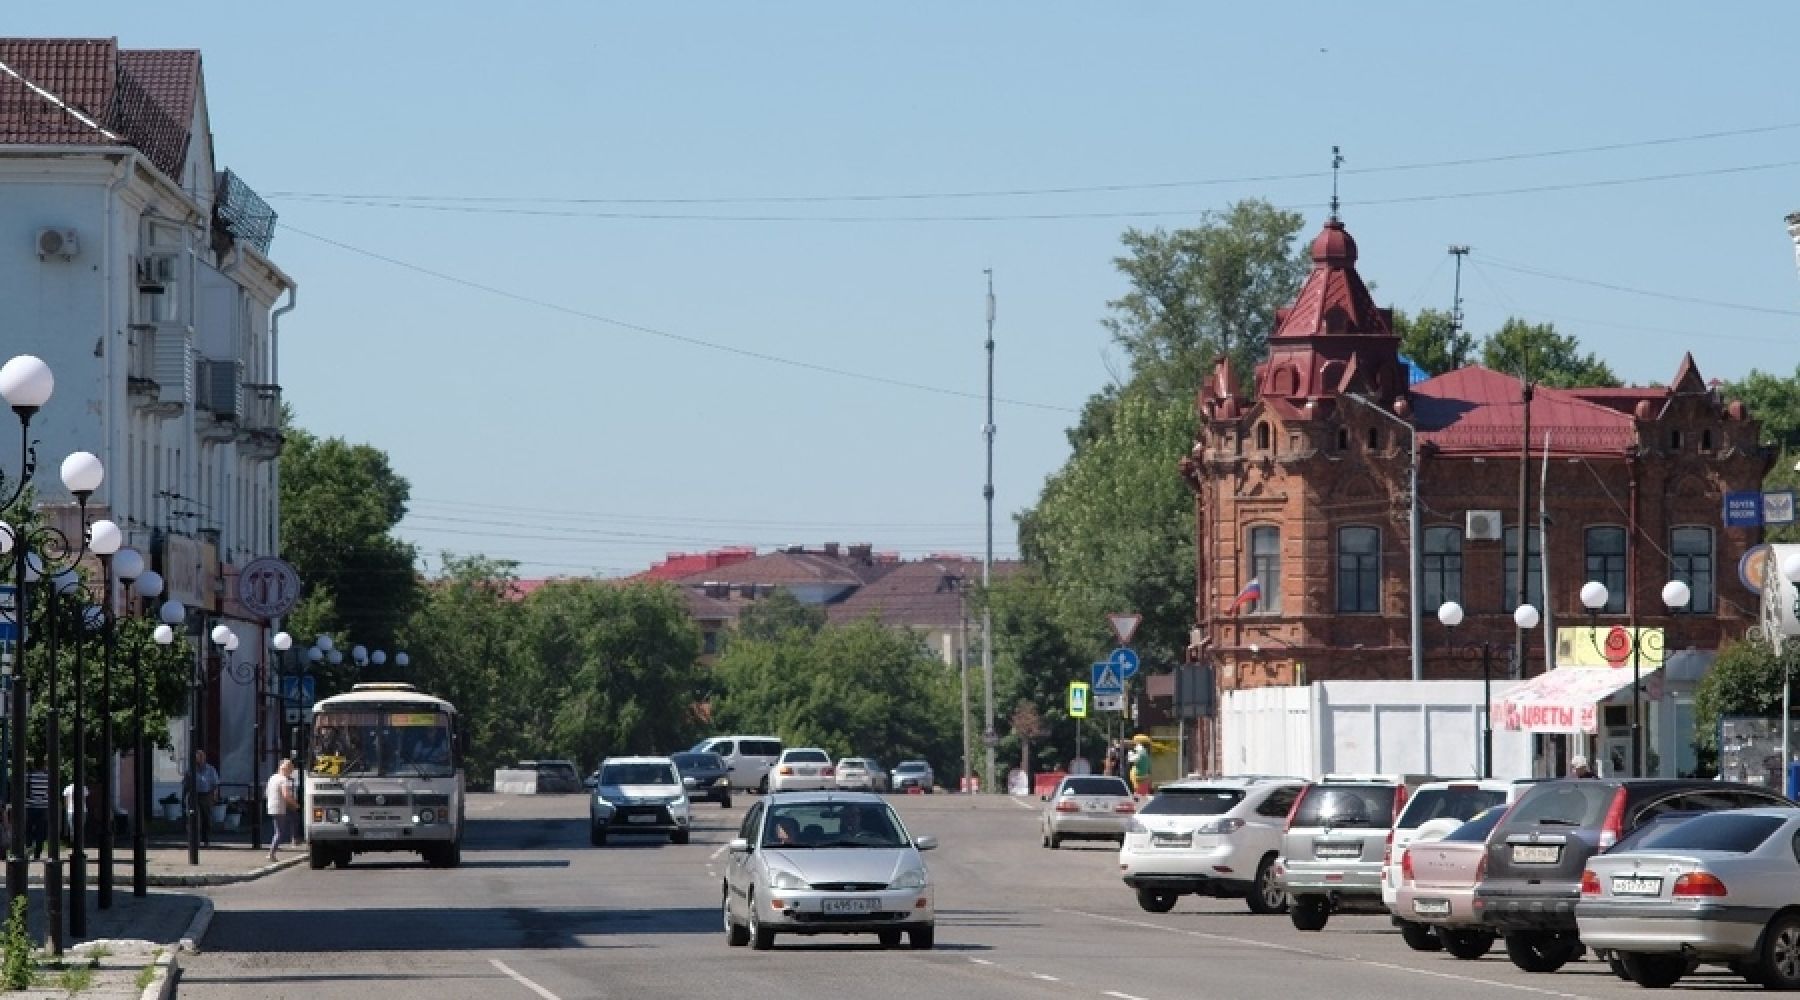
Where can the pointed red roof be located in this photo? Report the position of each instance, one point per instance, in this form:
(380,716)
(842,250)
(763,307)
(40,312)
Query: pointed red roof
(1334,299)
(1333,339)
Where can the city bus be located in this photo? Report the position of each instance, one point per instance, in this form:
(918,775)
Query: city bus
(383,772)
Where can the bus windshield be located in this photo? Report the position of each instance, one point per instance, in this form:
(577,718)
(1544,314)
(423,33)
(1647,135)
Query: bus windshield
(386,741)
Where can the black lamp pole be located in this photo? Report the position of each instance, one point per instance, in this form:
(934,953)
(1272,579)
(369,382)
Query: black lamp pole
(78,788)
(140,784)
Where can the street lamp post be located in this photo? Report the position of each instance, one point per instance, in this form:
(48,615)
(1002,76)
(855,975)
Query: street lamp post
(226,641)
(1790,569)
(1450,615)
(126,566)
(1676,595)
(91,621)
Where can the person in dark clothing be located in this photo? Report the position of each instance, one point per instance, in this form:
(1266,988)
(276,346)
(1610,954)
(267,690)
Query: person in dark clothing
(37,808)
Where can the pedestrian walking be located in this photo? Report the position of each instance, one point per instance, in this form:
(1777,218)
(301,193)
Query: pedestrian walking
(206,792)
(1140,764)
(1578,767)
(282,806)
(69,810)
(37,808)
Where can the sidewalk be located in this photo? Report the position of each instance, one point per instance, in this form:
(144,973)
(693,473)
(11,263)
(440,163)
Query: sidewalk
(130,950)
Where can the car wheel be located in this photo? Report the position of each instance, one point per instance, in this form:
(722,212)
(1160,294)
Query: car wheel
(317,857)
(1266,894)
(922,938)
(1655,972)
(1309,913)
(679,837)
(1541,951)
(1055,841)
(1465,943)
(1156,901)
(343,857)
(888,939)
(736,935)
(596,835)
(761,938)
(1781,954)
(453,854)
(1617,966)
(1419,937)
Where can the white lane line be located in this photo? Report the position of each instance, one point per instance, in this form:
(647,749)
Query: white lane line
(522,981)
(1120,996)
(981,961)
(1392,966)
(714,856)
(1024,803)
(1047,979)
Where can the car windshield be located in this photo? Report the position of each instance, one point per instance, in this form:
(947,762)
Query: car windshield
(1094,786)
(1727,832)
(823,825)
(1477,829)
(1454,802)
(1346,805)
(1581,803)
(1192,802)
(391,741)
(807,757)
(647,773)
(914,766)
(698,761)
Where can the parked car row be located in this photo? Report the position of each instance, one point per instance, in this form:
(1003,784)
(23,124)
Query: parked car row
(1656,876)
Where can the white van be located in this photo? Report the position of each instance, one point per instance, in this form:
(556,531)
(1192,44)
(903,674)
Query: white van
(748,759)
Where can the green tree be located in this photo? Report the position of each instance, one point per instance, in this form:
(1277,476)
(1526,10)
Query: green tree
(1114,529)
(1545,356)
(774,616)
(1432,341)
(1034,661)
(1744,680)
(850,689)
(1196,293)
(1775,402)
(339,505)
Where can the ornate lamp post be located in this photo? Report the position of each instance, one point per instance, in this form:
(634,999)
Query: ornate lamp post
(1621,643)
(126,566)
(1450,615)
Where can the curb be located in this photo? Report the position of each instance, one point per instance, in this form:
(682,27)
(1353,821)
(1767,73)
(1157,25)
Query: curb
(224,878)
(168,973)
(196,929)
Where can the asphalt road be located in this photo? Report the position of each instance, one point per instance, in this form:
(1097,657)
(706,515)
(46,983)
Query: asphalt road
(535,912)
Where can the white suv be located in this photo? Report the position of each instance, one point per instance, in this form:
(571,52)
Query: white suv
(802,769)
(1433,810)
(1211,837)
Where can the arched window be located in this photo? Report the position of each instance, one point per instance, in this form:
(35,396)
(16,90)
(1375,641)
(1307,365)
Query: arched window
(1691,562)
(1263,436)
(1374,439)
(1359,569)
(1605,545)
(1265,568)
(1343,439)
(1442,567)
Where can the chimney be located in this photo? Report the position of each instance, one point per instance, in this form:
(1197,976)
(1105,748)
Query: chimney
(861,552)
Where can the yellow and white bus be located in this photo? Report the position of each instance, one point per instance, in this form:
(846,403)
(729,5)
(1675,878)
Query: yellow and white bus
(384,773)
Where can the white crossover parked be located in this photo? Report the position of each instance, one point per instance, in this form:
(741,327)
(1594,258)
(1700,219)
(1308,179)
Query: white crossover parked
(1209,837)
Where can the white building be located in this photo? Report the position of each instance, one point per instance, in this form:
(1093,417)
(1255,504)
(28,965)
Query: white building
(138,268)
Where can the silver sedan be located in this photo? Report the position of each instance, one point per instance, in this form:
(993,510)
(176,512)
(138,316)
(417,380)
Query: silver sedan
(1087,807)
(827,863)
(1719,887)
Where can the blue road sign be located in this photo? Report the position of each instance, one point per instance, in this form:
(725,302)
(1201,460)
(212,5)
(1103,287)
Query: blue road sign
(1126,660)
(1743,509)
(9,614)
(297,691)
(1106,679)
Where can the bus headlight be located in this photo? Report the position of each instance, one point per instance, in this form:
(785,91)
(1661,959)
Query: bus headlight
(332,815)
(426,816)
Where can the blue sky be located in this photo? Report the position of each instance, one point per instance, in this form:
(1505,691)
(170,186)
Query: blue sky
(533,429)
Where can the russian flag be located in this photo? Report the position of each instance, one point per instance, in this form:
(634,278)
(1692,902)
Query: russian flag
(1251,593)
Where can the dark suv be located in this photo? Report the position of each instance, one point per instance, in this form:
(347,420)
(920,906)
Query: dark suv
(1531,874)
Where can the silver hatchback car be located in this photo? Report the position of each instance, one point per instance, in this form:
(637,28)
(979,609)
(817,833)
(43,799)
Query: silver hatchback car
(826,863)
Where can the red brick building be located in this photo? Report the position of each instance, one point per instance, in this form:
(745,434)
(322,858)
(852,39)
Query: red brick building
(1306,490)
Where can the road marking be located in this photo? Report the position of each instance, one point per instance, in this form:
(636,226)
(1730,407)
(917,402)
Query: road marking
(1024,803)
(1120,996)
(1290,949)
(1047,979)
(714,856)
(981,961)
(521,980)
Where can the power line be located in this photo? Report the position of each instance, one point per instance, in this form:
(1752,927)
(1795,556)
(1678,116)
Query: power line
(664,334)
(1042,216)
(679,519)
(1627,289)
(1042,191)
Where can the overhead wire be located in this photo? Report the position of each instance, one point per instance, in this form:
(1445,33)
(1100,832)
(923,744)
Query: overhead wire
(1629,290)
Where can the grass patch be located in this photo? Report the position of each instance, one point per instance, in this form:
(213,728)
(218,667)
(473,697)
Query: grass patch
(147,974)
(99,952)
(74,980)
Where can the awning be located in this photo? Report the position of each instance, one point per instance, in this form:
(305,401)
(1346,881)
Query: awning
(1564,700)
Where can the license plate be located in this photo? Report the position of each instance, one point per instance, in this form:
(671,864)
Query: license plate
(381,834)
(1337,851)
(1171,840)
(640,819)
(1431,907)
(850,906)
(1535,854)
(1097,807)
(1623,886)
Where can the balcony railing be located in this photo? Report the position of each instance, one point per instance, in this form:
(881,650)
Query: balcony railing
(261,408)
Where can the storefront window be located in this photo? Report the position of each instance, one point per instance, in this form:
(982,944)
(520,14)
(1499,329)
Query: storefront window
(1687,762)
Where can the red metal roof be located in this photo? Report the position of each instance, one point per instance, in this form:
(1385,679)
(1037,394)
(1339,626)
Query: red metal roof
(1334,299)
(680,564)
(1477,411)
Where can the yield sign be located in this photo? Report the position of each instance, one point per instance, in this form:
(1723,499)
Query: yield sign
(1124,625)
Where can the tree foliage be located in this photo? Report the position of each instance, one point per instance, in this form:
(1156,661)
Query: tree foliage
(772,617)
(1543,355)
(1431,340)
(850,689)
(1775,402)
(1034,661)
(339,505)
(1744,680)
(1200,292)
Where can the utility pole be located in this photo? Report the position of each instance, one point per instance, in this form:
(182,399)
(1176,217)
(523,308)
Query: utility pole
(1525,393)
(988,736)
(1458,251)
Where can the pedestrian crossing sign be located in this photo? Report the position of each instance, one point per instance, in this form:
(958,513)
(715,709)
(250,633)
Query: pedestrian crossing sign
(1078,700)
(1107,678)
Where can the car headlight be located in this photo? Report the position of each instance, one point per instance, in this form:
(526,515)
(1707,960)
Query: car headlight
(719,782)
(914,879)
(785,880)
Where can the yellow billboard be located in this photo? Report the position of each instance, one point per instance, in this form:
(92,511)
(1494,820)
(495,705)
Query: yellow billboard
(1608,646)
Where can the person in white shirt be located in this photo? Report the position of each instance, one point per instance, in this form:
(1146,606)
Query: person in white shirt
(283,808)
(68,829)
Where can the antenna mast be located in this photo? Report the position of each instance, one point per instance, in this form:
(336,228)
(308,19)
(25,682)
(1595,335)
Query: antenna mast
(1456,314)
(988,736)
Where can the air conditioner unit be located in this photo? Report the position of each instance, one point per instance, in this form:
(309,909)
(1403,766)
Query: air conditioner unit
(220,387)
(57,243)
(1483,526)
